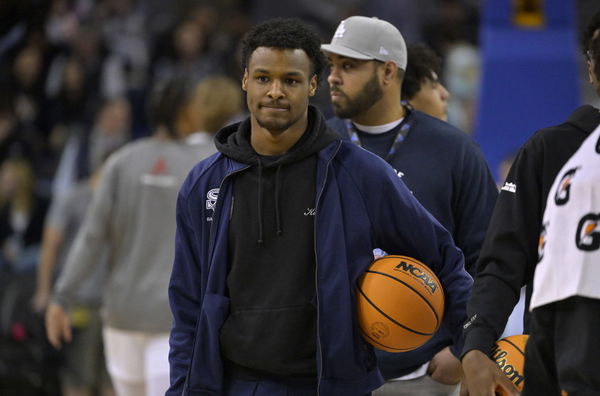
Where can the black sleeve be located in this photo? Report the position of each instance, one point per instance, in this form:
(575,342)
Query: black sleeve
(509,253)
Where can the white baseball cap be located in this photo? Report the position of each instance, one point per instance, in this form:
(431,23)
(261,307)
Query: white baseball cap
(366,38)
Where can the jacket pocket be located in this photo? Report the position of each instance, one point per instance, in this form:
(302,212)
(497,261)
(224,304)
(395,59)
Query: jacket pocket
(206,368)
(281,341)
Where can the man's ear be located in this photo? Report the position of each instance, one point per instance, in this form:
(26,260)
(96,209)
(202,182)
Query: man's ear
(245,80)
(390,72)
(313,85)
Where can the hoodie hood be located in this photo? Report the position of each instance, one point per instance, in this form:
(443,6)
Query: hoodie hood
(234,142)
(585,118)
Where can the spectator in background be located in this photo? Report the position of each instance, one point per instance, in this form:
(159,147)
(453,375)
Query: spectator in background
(71,96)
(421,87)
(111,130)
(189,55)
(132,216)
(84,371)
(22,213)
(83,148)
(28,80)
(461,75)
(217,102)
(125,32)
(15,138)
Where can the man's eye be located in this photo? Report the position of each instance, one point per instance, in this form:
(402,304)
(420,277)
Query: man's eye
(262,79)
(291,81)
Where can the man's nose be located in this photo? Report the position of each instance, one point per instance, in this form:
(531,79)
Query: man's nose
(334,77)
(275,90)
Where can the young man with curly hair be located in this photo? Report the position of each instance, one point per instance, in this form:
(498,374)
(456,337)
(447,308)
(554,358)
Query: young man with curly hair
(421,87)
(275,230)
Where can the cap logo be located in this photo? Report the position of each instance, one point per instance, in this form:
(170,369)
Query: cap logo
(339,33)
(383,51)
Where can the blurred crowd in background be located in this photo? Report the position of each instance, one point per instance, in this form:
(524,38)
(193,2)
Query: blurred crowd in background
(75,74)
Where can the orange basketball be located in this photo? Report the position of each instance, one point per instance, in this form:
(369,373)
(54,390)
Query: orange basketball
(509,355)
(400,303)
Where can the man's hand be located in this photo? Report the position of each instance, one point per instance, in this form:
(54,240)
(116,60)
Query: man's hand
(483,376)
(445,368)
(58,325)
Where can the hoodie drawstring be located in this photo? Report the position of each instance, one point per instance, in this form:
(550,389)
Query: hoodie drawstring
(277,219)
(260,217)
(277,210)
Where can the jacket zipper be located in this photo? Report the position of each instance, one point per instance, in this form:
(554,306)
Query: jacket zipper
(316,270)
(212,229)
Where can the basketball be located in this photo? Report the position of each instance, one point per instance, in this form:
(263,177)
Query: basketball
(509,355)
(400,303)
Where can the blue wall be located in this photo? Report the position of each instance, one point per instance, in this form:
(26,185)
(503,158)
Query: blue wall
(529,76)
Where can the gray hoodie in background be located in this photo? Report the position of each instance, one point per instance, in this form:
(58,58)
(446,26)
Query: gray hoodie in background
(132,216)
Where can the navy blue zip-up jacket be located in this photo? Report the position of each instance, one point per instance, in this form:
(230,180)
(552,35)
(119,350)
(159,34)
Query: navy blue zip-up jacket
(361,203)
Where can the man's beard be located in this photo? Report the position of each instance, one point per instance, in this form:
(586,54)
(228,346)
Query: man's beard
(368,96)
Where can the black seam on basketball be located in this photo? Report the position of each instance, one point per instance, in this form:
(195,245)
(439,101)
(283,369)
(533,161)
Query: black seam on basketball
(516,347)
(386,346)
(437,319)
(387,316)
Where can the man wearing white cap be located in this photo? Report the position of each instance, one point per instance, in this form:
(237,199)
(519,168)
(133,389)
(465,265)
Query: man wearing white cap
(441,165)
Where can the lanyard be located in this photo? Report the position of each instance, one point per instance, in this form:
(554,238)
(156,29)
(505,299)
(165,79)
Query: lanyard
(401,135)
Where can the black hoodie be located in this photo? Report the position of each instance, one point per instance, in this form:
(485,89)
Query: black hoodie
(271,329)
(509,254)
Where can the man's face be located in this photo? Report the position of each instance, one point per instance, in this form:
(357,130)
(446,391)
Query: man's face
(278,83)
(353,85)
(432,98)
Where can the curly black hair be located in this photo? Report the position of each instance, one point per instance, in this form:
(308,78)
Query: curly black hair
(588,32)
(422,61)
(285,33)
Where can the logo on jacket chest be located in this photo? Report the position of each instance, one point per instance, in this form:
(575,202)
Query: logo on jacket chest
(211,201)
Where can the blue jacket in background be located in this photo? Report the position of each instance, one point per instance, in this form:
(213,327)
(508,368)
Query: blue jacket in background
(445,170)
(361,204)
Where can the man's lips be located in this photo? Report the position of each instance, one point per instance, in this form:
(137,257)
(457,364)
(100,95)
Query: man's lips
(274,107)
